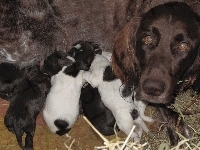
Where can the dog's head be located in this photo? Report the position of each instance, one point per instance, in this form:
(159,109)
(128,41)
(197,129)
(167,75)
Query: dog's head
(158,50)
(84,52)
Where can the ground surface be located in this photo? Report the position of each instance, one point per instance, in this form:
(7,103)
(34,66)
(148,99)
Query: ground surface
(86,138)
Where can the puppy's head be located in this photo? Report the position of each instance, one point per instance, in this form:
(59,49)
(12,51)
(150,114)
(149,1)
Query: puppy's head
(162,50)
(54,63)
(83,52)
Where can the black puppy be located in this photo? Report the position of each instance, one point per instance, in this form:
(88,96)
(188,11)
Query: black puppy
(94,109)
(29,96)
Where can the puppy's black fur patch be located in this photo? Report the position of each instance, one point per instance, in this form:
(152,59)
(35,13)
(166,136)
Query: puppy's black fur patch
(72,70)
(108,74)
(135,114)
(62,126)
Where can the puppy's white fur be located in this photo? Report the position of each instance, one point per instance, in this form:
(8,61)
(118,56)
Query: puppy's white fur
(63,99)
(111,97)
(107,55)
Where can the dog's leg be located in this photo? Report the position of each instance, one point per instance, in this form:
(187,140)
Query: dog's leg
(175,123)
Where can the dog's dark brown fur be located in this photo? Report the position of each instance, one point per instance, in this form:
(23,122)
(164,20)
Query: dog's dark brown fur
(125,62)
(158,52)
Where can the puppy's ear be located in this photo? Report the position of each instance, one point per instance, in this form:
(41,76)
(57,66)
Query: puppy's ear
(72,52)
(96,47)
(124,61)
(98,51)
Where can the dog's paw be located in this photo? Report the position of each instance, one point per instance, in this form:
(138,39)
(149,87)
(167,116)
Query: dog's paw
(175,123)
(178,126)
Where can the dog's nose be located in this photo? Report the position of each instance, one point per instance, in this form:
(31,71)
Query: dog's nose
(153,88)
(62,125)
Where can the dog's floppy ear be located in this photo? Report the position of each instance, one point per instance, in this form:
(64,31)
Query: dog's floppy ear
(193,73)
(124,61)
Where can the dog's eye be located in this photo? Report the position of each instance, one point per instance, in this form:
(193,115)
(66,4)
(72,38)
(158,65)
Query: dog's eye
(183,46)
(148,40)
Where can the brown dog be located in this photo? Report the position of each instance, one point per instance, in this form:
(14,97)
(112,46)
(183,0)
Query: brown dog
(158,49)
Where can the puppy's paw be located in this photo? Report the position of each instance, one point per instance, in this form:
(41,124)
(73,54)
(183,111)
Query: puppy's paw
(137,133)
(139,120)
(147,118)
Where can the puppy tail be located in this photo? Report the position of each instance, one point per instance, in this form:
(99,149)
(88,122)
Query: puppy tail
(62,126)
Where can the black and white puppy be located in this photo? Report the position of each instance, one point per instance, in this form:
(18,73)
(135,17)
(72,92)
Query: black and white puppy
(95,110)
(29,95)
(111,90)
(62,104)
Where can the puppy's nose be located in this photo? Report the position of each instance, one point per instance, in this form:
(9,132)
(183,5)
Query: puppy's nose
(153,88)
(62,125)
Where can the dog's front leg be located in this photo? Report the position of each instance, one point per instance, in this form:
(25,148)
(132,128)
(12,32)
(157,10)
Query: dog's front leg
(175,123)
